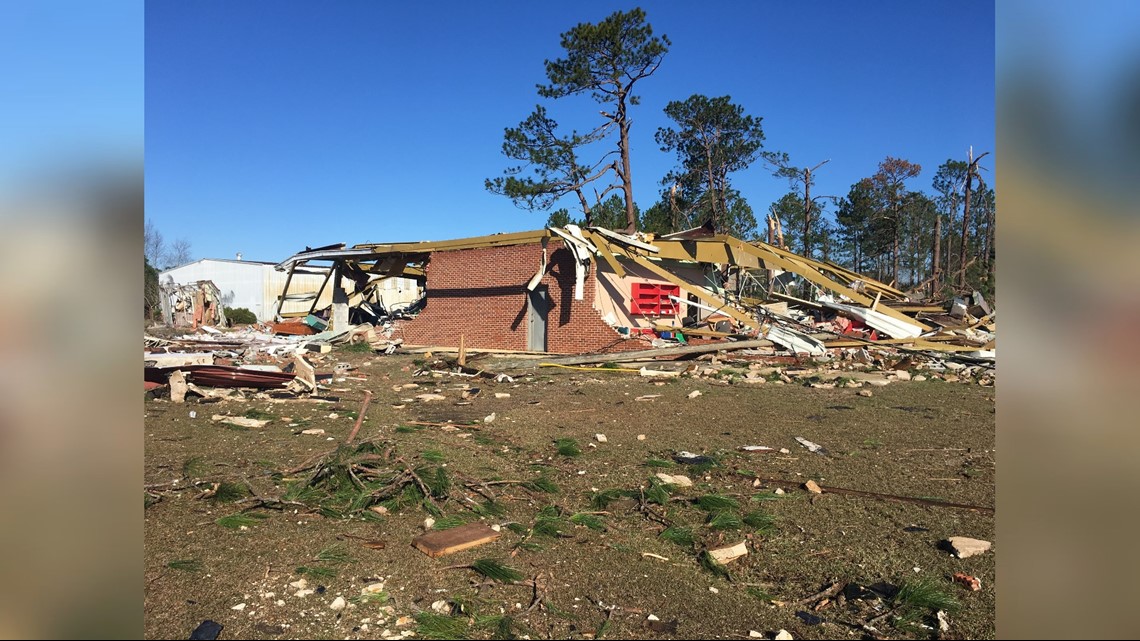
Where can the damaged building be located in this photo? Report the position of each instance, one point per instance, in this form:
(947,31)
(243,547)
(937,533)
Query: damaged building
(578,290)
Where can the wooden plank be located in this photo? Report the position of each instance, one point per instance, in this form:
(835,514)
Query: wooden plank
(439,543)
(607,256)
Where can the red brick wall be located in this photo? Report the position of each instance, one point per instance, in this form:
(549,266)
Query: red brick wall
(481,294)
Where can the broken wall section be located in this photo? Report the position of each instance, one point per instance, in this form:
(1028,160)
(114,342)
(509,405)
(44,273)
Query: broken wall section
(481,294)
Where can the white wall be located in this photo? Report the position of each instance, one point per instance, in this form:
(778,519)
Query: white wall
(256,286)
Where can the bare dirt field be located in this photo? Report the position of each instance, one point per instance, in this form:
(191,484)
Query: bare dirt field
(583,531)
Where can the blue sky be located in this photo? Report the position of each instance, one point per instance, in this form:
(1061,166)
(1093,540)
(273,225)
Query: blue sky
(275,125)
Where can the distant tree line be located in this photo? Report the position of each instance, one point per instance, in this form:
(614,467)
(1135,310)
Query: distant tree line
(940,242)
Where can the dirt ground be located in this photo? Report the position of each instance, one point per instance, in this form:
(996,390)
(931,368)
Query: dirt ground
(929,439)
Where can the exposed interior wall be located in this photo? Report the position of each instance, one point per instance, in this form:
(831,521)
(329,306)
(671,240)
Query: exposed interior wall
(614,294)
(481,294)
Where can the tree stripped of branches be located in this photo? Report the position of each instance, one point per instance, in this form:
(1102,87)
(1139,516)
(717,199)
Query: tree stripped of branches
(802,178)
(605,61)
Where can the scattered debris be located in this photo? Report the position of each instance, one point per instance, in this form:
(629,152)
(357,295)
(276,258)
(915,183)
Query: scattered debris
(783,635)
(206,631)
(338,604)
(865,392)
(756,449)
(688,458)
(695,393)
(973,583)
(965,547)
(502,395)
(439,543)
(943,622)
(177,382)
(313,431)
(241,421)
(490,418)
(809,618)
(239,607)
(601,438)
(655,556)
(647,397)
(814,448)
(813,487)
(429,397)
(729,554)
(674,479)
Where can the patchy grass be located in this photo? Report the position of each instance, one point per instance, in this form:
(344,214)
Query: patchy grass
(334,554)
(496,571)
(678,535)
(717,503)
(186,565)
(236,521)
(317,572)
(568,447)
(448,522)
(926,594)
(194,466)
(430,625)
(259,415)
(229,492)
(592,521)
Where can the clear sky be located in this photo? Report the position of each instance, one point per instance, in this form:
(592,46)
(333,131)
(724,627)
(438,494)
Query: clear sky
(272,125)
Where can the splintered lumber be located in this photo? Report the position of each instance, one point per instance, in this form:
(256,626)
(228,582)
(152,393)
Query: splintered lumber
(622,357)
(439,543)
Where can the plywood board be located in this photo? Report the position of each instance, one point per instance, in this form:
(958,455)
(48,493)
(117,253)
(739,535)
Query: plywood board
(443,542)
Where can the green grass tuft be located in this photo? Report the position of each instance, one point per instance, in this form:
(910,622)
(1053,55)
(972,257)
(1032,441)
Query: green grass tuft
(542,484)
(334,554)
(717,503)
(235,521)
(257,414)
(568,447)
(317,572)
(678,535)
(186,565)
(725,521)
(656,462)
(496,571)
(759,593)
(657,492)
(356,348)
(229,492)
(710,564)
(433,456)
(448,522)
(194,466)
(592,521)
(762,523)
(601,500)
(430,625)
(926,594)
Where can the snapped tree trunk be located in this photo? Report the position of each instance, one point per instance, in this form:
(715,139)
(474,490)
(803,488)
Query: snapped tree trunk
(627,182)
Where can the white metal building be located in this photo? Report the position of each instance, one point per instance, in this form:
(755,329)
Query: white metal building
(256,285)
